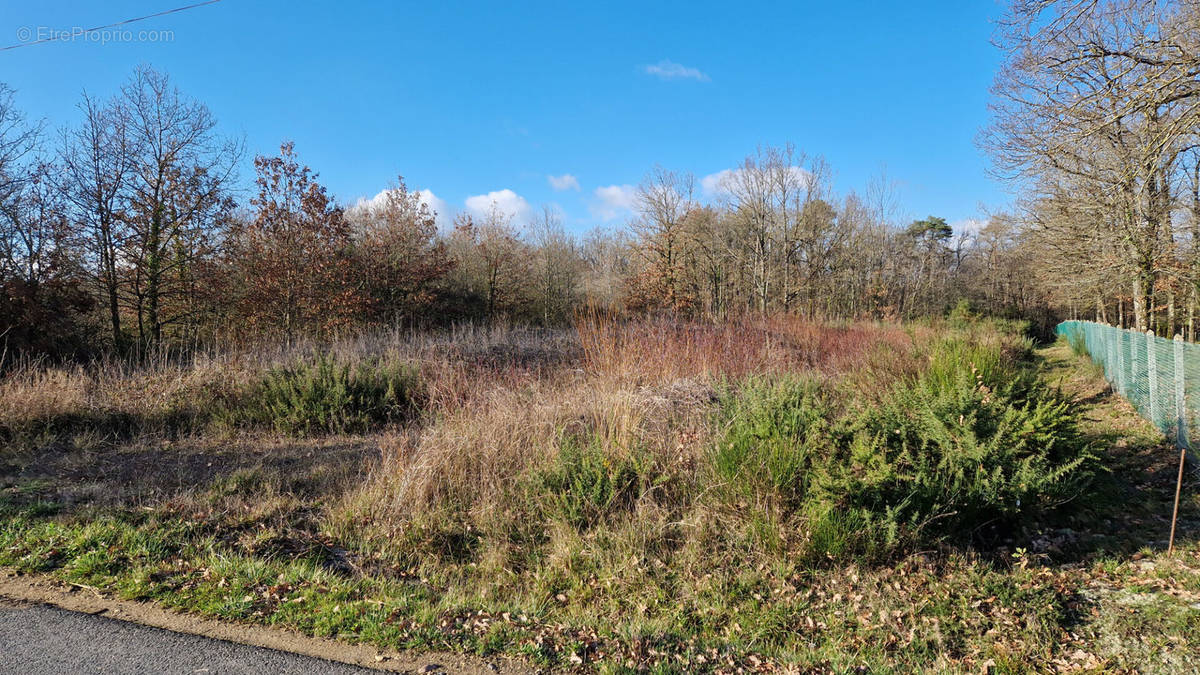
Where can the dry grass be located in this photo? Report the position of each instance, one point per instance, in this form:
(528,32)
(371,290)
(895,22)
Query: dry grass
(29,394)
(500,406)
(466,462)
(441,532)
(665,351)
(104,395)
(498,400)
(643,389)
(163,390)
(459,366)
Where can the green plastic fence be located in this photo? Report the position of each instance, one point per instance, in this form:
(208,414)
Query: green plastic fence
(1160,377)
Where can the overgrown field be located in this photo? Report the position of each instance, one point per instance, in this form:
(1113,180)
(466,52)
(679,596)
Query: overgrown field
(766,495)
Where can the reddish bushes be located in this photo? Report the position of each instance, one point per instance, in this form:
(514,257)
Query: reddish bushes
(664,350)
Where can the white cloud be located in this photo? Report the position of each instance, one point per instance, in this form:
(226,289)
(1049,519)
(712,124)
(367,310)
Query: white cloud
(714,183)
(718,184)
(971,226)
(428,198)
(435,203)
(564,182)
(612,201)
(669,70)
(506,201)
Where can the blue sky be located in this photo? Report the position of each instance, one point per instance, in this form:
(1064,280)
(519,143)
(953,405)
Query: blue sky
(469,99)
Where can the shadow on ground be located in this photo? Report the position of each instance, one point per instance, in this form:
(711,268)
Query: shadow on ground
(1129,508)
(74,473)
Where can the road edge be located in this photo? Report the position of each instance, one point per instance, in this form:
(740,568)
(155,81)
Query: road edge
(43,590)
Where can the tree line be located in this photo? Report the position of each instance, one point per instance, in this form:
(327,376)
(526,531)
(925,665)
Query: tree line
(126,231)
(1096,120)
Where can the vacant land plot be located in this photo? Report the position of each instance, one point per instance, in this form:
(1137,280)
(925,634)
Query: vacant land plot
(764,495)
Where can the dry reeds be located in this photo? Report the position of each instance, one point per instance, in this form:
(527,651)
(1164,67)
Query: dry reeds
(667,350)
(643,387)
(499,402)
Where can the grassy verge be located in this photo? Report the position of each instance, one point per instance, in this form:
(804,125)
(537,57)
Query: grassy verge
(959,516)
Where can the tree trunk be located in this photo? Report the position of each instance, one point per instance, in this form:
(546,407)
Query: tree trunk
(153,274)
(1191,320)
(1170,315)
(1141,301)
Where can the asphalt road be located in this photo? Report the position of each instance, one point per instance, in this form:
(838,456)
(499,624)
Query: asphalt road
(37,639)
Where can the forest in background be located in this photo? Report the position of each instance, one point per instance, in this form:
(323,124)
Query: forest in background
(128,228)
(1095,121)
(745,449)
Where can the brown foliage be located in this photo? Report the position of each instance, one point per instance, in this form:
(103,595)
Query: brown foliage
(294,259)
(664,350)
(398,256)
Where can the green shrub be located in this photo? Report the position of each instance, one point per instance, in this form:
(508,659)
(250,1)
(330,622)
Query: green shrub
(973,445)
(962,315)
(1077,342)
(585,484)
(952,358)
(958,450)
(326,396)
(772,431)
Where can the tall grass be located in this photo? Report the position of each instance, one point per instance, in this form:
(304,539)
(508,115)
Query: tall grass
(656,480)
(773,432)
(864,439)
(665,350)
(646,385)
(959,450)
(201,391)
(583,485)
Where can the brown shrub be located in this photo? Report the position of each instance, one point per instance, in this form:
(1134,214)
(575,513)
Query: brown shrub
(646,387)
(667,350)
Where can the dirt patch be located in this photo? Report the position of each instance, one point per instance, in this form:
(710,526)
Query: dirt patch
(41,590)
(149,471)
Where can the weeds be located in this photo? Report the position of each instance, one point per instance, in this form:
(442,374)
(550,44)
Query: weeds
(666,496)
(585,485)
(1078,343)
(324,396)
(773,433)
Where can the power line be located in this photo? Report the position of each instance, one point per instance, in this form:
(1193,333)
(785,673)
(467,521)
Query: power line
(57,37)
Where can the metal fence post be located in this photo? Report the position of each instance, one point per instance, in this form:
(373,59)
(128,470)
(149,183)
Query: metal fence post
(1152,375)
(1181,424)
(1122,359)
(1110,367)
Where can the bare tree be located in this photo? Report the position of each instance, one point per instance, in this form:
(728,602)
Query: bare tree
(95,170)
(608,257)
(1102,95)
(17,140)
(557,267)
(180,172)
(41,301)
(489,260)
(664,200)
